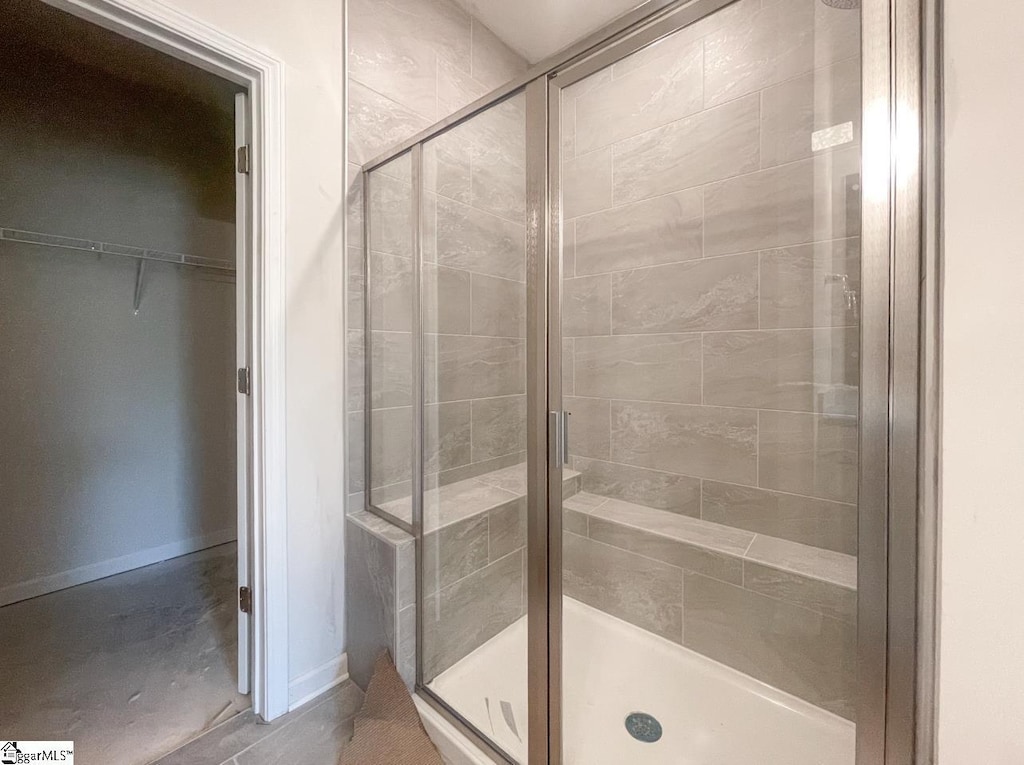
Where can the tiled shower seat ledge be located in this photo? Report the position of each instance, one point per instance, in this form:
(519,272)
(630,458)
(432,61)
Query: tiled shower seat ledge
(471,497)
(818,579)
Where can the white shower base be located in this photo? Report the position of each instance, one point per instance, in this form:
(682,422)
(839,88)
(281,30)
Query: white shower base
(710,714)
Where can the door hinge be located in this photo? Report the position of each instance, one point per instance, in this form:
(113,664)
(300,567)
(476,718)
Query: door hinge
(244,159)
(244,381)
(245,600)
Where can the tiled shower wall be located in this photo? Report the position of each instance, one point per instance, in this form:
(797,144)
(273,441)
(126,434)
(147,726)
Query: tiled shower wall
(411,63)
(711,352)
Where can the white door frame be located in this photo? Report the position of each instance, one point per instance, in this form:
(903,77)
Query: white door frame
(177,34)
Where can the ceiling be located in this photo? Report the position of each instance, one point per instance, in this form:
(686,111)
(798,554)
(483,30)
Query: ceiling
(538,28)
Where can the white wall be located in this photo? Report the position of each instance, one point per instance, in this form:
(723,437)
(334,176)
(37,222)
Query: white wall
(981,659)
(306,36)
(118,431)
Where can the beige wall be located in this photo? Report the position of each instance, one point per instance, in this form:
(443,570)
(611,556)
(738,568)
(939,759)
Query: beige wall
(981,657)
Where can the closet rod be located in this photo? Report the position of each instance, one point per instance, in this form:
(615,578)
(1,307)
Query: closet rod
(107,248)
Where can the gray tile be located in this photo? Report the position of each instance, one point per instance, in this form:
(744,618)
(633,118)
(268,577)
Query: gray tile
(494,63)
(805,560)
(681,528)
(499,159)
(645,97)
(587,183)
(699,560)
(813,594)
(829,525)
(574,522)
(793,110)
(783,40)
(654,488)
(589,427)
(639,590)
(320,734)
(499,427)
(810,454)
(792,648)
(710,294)
(369,598)
(586,305)
(405,555)
(464,367)
(584,502)
(795,369)
(708,146)
(405,661)
(447,166)
(356,442)
(453,552)
(391,369)
(447,435)
(811,200)
(391,211)
(390,292)
(376,123)
(815,285)
(455,89)
(568,367)
(391,446)
(446,300)
(356,287)
(568,248)
(499,307)
(478,241)
(354,205)
(356,374)
(221,743)
(704,441)
(666,229)
(480,468)
(470,612)
(507,528)
(645,368)
(454,502)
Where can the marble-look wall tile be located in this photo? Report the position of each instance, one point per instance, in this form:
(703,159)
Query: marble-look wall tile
(822,597)
(376,123)
(795,369)
(460,367)
(499,427)
(456,88)
(708,146)
(498,307)
(497,138)
(354,205)
(391,446)
(470,612)
(797,650)
(494,63)
(390,292)
(447,166)
(639,590)
(454,551)
(665,229)
(704,441)
(645,367)
(478,241)
(589,426)
(699,560)
(785,39)
(446,300)
(810,454)
(356,452)
(447,432)
(391,210)
(824,565)
(507,528)
(391,369)
(568,249)
(587,183)
(815,285)
(356,377)
(653,488)
(370,601)
(810,521)
(586,305)
(568,367)
(642,98)
(405,661)
(811,200)
(793,110)
(700,295)
(356,288)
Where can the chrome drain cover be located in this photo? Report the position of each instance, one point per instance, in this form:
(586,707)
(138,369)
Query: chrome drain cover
(643,727)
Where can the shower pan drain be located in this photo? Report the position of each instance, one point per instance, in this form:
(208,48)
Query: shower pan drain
(643,727)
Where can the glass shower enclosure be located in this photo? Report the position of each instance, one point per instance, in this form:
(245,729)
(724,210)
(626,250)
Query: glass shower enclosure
(628,354)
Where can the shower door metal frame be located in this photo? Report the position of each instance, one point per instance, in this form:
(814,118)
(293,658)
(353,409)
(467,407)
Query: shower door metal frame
(899,320)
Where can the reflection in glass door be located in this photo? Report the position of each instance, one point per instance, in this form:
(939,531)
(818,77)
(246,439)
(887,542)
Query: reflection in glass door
(710,222)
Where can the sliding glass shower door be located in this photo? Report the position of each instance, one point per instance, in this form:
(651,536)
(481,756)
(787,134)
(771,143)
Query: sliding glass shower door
(709,214)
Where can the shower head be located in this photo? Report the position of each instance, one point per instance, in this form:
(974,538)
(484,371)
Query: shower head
(846,4)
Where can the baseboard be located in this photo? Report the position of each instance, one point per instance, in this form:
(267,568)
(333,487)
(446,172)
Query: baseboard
(307,687)
(93,571)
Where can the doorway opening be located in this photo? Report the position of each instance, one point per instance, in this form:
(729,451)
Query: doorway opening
(124,316)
